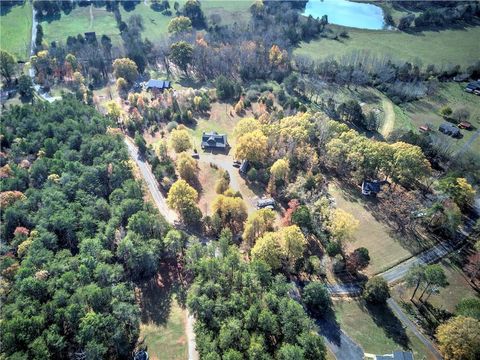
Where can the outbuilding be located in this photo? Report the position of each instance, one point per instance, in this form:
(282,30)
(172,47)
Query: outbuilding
(450,129)
(157,85)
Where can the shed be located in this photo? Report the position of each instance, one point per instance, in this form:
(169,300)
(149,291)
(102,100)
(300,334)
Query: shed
(449,129)
(213,140)
(90,36)
(244,167)
(424,128)
(473,86)
(465,125)
(154,84)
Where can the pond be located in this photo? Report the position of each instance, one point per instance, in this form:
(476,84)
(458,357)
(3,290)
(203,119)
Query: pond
(347,13)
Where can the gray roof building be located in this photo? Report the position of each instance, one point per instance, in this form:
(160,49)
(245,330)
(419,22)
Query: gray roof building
(449,129)
(157,84)
(214,140)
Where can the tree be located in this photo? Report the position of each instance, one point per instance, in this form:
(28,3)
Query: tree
(180,140)
(181,54)
(301,217)
(39,38)
(223,183)
(409,163)
(290,352)
(122,86)
(245,125)
(193,11)
(376,290)
(183,198)
(317,298)
(187,168)
(280,170)
(251,146)
(126,69)
(358,259)
(225,88)
(459,189)
(257,224)
(7,65)
(434,278)
(445,111)
(179,24)
(267,248)
(141,144)
(469,307)
(114,110)
(459,338)
(25,86)
(342,225)
(293,242)
(231,210)
(415,277)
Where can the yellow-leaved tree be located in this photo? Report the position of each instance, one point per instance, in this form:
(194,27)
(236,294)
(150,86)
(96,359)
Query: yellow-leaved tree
(342,225)
(459,338)
(180,140)
(183,199)
(268,249)
(251,146)
(257,224)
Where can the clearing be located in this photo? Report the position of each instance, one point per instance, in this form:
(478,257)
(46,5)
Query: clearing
(16,29)
(384,247)
(427,47)
(80,20)
(376,329)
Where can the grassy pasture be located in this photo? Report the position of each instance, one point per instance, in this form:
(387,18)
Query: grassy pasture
(16,30)
(377,329)
(79,21)
(383,245)
(453,46)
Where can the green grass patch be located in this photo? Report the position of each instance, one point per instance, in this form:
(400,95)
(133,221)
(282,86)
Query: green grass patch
(16,30)
(81,20)
(428,47)
(167,341)
(385,248)
(377,330)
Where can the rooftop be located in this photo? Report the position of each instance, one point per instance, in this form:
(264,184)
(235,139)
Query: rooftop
(158,84)
(214,140)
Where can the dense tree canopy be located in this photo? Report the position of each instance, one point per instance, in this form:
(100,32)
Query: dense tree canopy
(75,238)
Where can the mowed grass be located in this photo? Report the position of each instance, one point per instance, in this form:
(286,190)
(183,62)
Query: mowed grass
(384,248)
(377,330)
(167,342)
(16,30)
(80,20)
(428,47)
(426,111)
(447,298)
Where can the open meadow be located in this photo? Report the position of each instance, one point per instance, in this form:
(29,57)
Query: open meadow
(16,30)
(453,46)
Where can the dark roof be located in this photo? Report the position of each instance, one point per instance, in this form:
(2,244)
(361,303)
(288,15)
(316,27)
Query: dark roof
(265,202)
(474,85)
(446,127)
(369,187)
(90,36)
(244,166)
(157,84)
(214,140)
(141,355)
(402,355)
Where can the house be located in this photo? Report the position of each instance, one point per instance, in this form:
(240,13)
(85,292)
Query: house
(157,85)
(268,203)
(90,37)
(397,355)
(473,87)
(372,187)
(214,140)
(449,129)
(465,125)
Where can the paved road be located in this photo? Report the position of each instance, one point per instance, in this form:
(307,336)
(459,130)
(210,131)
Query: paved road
(397,310)
(172,218)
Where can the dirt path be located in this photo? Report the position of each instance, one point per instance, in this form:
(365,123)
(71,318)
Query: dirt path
(389,120)
(91,17)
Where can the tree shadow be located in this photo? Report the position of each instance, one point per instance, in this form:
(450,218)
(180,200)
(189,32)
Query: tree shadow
(384,318)
(155,295)
(329,327)
(6,7)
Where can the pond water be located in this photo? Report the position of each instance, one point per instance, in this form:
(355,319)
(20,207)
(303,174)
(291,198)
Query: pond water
(347,13)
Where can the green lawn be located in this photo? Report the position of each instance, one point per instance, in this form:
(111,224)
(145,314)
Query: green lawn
(16,30)
(377,330)
(385,248)
(167,342)
(428,47)
(79,21)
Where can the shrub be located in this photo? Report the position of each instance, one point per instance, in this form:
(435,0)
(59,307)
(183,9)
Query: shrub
(333,248)
(316,298)
(376,290)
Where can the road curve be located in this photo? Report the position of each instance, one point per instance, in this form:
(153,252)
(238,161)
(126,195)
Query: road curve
(172,218)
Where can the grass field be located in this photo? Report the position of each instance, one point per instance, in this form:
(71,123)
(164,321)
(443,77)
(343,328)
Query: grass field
(377,329)
(167,342)
(16,30)
(79,21)
(425,111)
(383,245)
(428,47)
